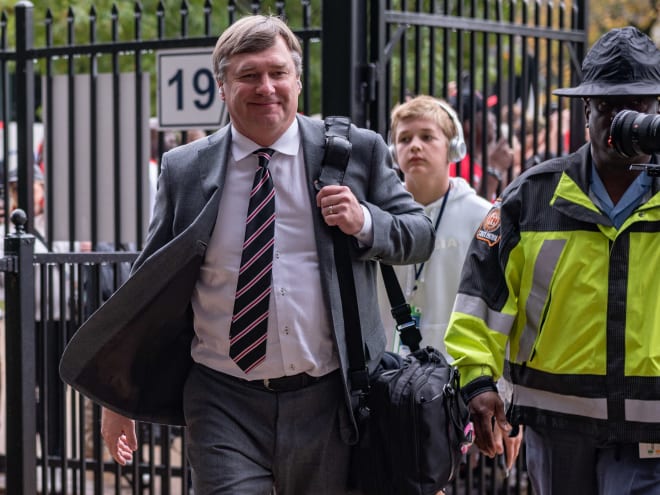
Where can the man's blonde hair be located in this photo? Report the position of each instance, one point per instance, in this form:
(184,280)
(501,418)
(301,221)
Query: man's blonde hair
(252,34)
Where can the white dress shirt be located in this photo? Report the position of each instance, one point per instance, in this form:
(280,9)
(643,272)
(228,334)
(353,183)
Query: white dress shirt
(299,333)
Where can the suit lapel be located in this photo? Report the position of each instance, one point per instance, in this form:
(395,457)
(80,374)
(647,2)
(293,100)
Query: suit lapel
(213,161)
(313,139)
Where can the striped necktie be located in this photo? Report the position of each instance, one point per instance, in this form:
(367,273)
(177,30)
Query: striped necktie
(249,323)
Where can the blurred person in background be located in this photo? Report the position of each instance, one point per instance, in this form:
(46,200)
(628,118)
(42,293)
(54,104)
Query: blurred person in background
(161,142)
(499,154)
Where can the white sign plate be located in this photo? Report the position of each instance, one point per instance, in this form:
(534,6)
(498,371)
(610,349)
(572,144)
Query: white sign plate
(187,93)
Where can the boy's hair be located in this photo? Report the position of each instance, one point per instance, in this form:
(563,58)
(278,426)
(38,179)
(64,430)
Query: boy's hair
(423,106)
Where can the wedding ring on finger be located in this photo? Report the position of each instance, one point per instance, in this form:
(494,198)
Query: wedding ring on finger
(330,210)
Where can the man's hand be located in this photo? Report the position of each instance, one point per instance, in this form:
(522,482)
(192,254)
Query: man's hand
(119,435)
(511,445)
(487,413)
(340,207)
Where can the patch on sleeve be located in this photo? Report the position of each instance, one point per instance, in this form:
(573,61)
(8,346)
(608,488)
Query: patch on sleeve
(489,230)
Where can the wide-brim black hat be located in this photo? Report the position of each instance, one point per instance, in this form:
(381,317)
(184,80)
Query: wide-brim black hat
(623,62)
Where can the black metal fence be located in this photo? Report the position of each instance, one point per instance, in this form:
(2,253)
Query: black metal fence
(80,89)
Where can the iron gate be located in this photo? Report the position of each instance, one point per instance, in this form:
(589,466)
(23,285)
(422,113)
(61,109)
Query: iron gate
(360,58)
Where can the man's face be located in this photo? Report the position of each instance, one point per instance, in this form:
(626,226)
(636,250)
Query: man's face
(261,92)
(600,112)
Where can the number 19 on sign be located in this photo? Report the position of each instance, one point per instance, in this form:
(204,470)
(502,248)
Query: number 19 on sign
(187,96)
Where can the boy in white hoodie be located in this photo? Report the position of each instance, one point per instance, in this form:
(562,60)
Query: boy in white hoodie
(426,138)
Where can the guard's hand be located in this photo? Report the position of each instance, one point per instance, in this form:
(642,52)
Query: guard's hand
(119,436)
(340,208)
(487,412)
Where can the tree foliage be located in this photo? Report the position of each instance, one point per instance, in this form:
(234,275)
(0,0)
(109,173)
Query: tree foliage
(608,14)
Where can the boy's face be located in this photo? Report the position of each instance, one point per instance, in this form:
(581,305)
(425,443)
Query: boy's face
(421,148)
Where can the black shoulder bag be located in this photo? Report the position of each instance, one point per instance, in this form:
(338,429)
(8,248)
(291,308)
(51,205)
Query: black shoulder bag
(412,420)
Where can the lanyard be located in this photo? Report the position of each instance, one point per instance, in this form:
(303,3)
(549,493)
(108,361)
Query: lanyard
(418,271)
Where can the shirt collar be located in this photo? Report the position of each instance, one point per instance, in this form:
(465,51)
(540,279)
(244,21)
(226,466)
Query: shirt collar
(287,144)
(628,202)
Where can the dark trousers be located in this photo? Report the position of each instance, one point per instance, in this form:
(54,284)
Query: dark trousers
(561,463)
(245,440)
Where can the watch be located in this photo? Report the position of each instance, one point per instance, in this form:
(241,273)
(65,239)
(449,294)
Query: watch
(495,173)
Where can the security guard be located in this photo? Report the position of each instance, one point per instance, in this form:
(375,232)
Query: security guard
(559,297)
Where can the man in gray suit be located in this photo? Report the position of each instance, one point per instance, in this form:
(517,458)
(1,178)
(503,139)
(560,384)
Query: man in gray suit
(280,420)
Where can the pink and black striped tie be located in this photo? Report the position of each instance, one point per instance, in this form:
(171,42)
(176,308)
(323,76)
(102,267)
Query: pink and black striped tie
(249,323)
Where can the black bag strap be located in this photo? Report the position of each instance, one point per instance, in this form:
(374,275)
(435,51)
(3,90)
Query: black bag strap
(337,152)
(401,312)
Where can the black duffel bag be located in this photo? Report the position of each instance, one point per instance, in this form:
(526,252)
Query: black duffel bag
(414,427)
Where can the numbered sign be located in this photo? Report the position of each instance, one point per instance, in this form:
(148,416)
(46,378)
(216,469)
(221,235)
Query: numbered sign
(187,93)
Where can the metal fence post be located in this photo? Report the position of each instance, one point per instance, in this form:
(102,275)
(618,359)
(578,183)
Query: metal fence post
(578,120)
(380,55)
(345,75)
(25,108)
(21,360)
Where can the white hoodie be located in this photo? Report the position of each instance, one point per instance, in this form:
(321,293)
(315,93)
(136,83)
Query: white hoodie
(435,289)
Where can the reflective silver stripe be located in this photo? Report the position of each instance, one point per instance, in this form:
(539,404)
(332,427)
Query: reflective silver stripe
(567,404)
(477,307)
(644,411)
(544,268)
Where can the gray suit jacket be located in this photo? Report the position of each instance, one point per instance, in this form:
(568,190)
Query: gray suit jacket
(133,354)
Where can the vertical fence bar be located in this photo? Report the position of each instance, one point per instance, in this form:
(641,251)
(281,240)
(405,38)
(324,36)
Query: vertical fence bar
(431,55)
(548,110)
(139,124)
(306,23)
(49,126)
(445,53)
(71,122)
(25,108)
(536,125)
(417,50)
(340,59)
(20,341)
(4,115)
(403,60)
(485,62)
(93,131)
(561,146)
(116,124)
(578,17)
(378,113)
(19,296)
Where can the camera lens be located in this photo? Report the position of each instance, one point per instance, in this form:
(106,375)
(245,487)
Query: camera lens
(634,133)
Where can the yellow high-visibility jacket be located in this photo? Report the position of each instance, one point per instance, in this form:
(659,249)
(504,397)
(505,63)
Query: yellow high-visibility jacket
(565,306)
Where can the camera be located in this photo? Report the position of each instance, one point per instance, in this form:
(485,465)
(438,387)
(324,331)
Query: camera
(634,133)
